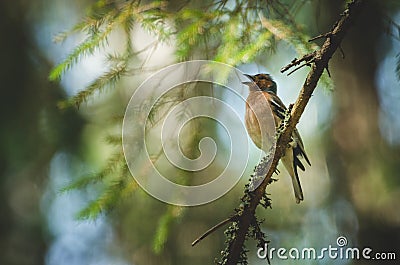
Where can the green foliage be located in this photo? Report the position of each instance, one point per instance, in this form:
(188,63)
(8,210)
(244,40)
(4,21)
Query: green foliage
(162,232)
(97,29)
(107,80)
(201,26)
(235,34)
(114,178)
(114,193)
(102,20)
(114,165)
(163,228)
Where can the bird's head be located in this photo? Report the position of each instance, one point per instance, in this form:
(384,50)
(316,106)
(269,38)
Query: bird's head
(261,82)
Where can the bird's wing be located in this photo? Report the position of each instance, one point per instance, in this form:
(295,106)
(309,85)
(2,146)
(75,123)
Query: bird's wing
(279,110)
(299,148)
(277,105)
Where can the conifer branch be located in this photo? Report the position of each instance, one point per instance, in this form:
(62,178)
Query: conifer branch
(235,251)
(214,228)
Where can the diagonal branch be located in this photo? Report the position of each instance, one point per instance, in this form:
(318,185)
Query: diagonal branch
(215,227)
(320,62)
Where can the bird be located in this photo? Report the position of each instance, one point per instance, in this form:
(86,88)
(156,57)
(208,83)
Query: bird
(261,101)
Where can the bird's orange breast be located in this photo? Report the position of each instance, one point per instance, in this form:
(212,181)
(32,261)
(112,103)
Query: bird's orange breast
(259,120)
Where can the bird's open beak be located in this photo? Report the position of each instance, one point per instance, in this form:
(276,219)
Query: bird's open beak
(248,76)
(248,82)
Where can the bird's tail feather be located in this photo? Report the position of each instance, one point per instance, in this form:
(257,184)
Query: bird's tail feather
(290,164)
(298,192)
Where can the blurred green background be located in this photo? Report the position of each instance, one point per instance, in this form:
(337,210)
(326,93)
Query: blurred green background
(351,134)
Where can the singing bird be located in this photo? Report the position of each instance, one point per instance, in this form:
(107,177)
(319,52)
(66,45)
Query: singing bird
(262,91)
